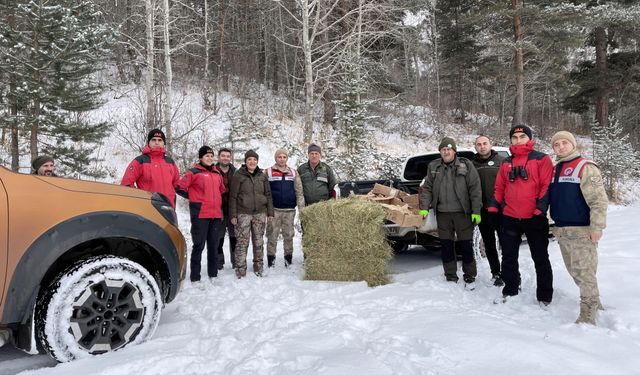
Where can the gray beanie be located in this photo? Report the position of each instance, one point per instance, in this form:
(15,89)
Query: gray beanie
(314,147)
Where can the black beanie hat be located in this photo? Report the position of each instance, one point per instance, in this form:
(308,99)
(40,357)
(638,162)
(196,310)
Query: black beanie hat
(156,133)
(448,142)
(250,154)
(205,150)
(40,160)
(520,128)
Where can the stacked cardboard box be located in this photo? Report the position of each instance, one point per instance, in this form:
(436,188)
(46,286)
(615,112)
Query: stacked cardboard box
(402,208)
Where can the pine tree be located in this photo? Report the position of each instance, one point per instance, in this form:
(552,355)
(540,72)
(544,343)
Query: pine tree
(49,55)
(614,154)
(352,117)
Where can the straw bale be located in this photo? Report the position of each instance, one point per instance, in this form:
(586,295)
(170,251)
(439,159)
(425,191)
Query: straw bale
(344,240)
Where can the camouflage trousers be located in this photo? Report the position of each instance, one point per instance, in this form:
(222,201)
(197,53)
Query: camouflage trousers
(250,227)
(282,222)
(580,257)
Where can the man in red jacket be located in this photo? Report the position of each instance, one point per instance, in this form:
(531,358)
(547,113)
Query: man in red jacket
(153,171)
(521,197)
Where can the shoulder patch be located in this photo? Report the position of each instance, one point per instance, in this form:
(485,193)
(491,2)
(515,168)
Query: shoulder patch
(195,170)
(143,159)
(169,159)
(536,155)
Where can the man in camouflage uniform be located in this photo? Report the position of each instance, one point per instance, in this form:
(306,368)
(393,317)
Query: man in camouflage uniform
(250,207)
(286,191)
(578,204)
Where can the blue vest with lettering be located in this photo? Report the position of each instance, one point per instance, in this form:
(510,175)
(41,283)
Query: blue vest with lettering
(282,188)
(568,207)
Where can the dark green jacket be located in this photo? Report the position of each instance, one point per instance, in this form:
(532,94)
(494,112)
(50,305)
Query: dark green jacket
(488,171)
(466,185)
(250,193)
(317,184)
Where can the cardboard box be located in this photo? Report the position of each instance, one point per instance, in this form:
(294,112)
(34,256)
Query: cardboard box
(402,216)
(412,200)
(388,191)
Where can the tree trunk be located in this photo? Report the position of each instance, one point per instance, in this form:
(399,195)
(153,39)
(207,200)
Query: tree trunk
(602,98)
(308,74)
(149,78)
(518,105)
(168,98)
(222,71)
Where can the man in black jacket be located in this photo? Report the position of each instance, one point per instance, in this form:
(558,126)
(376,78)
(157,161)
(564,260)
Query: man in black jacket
(487,163)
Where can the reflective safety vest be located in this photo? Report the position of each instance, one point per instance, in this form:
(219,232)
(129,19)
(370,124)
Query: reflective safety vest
(568,206)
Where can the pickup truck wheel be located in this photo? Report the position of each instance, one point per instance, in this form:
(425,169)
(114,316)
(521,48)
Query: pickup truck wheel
(97,305)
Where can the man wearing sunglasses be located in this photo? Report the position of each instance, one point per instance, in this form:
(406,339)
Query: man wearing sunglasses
(521,197)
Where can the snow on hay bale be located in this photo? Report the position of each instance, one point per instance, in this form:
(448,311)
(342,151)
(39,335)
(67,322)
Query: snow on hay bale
(344,241)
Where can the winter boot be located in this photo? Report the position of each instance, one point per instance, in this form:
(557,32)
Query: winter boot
(270,260)
(287,260)
(588,310)
(469,271)
(451,271)
(240,273)
(496,280)
(469,282)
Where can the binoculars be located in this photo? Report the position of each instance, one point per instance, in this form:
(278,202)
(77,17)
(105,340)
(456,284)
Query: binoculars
(518,171)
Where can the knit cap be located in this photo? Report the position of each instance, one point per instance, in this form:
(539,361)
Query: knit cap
(40,160)
(563,134)
(314,148)
(521,129)
(448,142)
(281,151)
(250,154)
(205,150)
(156,133)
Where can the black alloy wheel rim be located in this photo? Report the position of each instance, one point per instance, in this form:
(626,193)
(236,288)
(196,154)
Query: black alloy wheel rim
(106,316)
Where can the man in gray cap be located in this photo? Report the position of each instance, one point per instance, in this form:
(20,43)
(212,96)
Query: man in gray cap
(43,165)
(318,179)
(452,189)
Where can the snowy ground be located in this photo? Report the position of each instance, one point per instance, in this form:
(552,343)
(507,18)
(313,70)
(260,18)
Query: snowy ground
(280,324)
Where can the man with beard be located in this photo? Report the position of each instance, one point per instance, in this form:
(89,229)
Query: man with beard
(43,165)
(226,169)
(153,171)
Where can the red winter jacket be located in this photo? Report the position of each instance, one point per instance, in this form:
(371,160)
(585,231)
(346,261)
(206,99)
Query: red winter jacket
(204,190)
(520,198)
(153,171)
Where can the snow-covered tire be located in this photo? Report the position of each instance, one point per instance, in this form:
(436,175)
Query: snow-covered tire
(97,305)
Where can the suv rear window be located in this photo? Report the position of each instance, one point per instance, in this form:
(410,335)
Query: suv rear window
(416,167)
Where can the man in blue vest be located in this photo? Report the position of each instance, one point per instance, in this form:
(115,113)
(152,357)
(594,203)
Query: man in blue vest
(578,204)
(287,194)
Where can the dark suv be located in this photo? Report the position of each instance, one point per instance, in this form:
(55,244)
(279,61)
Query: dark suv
(86,267)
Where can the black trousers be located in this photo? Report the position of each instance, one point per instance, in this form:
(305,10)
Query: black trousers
(205,231)
(230,229)
(537,231)
(488,233)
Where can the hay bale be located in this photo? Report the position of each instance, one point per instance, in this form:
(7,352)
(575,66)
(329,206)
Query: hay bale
(344,241)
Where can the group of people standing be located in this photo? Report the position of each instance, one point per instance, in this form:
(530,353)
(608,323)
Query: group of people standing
(242,202)
(510,196)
